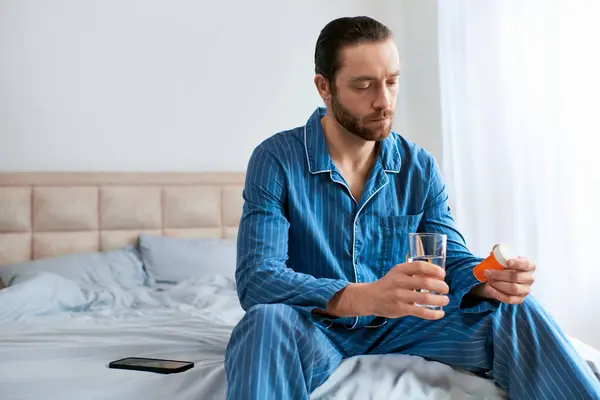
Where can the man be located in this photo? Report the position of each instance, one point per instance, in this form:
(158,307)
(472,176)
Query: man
(322,244)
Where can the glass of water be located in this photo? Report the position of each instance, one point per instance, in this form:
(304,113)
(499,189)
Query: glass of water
(428,247)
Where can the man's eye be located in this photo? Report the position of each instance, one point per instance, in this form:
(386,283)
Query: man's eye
(392,83)
(363,87)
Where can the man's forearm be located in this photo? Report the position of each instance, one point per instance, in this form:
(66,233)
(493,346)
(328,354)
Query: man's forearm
(352,301)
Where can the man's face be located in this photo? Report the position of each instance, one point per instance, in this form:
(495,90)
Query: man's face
(363,97)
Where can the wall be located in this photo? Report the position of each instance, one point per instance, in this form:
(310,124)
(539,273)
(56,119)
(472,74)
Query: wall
(179,85)
(415,25)
(175,85)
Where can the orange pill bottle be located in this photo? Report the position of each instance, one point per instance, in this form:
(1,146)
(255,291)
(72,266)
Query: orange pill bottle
(497,259)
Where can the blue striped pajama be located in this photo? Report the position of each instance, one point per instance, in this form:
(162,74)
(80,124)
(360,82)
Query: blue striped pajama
(303,237)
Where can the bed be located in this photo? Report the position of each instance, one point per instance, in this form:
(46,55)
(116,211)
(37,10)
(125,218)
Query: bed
(101,266)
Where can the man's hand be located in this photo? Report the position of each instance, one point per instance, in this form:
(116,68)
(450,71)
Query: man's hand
(395,295)
(511,285)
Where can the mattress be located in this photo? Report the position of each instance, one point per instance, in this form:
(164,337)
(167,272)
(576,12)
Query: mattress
(64,355)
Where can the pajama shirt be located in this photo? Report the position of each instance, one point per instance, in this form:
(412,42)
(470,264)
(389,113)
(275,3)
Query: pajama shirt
(303,237)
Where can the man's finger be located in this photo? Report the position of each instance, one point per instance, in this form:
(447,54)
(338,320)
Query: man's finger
(424,312)
(427,298)
(428,283)
(504,298)
(422,268)
(508,275)
(510,289)
(521,264)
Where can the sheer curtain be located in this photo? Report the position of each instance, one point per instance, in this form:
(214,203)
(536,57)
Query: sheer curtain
(520,100)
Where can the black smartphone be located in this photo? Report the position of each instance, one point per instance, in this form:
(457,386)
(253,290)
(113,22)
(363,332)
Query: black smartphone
(594,369)
(151,365)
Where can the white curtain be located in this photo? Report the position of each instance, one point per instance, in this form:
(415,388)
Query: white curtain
(520,97)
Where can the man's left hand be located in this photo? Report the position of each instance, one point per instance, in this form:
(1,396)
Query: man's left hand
(510,285)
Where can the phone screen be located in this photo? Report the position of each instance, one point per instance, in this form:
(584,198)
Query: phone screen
(148,362)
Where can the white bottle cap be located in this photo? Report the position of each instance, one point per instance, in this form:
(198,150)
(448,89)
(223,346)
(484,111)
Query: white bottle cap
(503,253)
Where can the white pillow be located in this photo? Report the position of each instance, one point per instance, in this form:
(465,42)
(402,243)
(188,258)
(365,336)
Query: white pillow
(122,266)
(172,260)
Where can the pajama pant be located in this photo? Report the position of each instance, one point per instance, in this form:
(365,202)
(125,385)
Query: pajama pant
(275,352)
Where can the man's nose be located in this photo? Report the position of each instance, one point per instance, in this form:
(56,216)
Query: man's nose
(383,99)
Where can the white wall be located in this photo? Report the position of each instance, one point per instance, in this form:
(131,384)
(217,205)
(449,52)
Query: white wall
(415,24)
(180,85)
(153,85)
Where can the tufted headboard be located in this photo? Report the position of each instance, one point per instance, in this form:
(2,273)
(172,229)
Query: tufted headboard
(53,213)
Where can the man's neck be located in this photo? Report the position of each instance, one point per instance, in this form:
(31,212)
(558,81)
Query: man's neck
(348,151)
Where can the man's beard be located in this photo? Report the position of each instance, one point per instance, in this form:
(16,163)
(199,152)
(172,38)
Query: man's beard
(376,131)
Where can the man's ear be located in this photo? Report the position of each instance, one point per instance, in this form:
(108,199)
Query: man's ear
(323,87)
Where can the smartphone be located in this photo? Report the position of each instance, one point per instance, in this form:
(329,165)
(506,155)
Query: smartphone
(151,365)
(594,369)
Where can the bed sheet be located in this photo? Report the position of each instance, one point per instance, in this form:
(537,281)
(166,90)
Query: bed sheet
(64,355)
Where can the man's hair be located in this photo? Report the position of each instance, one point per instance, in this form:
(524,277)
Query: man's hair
(343,32)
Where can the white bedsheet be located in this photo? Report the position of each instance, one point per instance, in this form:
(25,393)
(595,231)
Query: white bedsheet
(65,356)
(63,353)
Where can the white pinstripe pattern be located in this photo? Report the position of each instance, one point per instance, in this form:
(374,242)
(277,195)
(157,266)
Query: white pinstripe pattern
(302,238)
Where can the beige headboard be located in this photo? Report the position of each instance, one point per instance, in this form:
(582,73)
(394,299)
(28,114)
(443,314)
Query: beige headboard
(52,213)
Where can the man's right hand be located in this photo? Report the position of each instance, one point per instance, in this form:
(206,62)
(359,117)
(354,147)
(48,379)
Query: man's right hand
(395,295)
